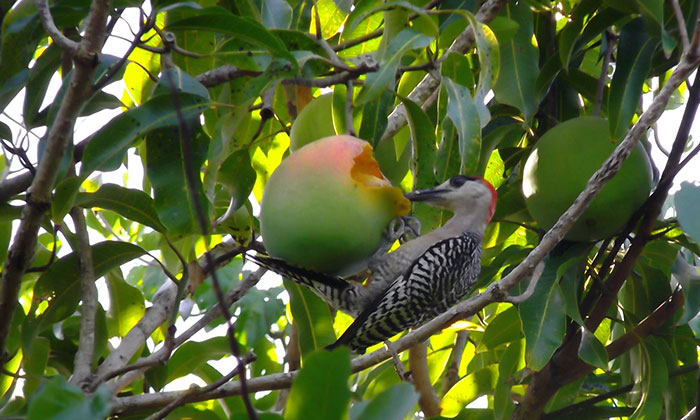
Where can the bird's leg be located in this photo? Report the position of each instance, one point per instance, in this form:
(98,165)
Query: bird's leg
(402,229)
(381,264)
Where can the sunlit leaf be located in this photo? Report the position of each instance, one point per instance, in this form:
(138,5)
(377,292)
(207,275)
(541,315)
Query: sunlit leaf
(468,389)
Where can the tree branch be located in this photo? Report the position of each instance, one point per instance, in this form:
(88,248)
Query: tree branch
(142,364)
(418,364)
(58,136)
(88,309)
(42,7)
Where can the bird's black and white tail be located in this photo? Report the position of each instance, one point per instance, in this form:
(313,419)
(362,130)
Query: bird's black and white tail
(339,293)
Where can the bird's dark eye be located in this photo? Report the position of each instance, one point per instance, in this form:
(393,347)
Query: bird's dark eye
(458,180)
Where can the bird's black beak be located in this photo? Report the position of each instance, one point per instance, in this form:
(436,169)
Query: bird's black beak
(432,194)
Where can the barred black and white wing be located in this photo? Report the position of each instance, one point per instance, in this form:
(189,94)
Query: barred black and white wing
(339,293)
(439,278)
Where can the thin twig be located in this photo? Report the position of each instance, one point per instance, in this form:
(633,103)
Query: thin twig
(452,372)
(534,279)
(398,364)
(349,126)
(602,80)
(680,20)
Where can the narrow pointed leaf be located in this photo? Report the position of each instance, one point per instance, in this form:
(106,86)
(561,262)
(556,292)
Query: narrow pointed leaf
(518,67)
(633,63)
(165,166)
(544,318)
(464,114)
(312,318)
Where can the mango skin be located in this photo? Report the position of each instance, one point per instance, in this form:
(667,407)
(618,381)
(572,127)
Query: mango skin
(559,167)
(325,207)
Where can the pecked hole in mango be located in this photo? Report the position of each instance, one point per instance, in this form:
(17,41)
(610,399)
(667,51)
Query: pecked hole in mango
(365,171)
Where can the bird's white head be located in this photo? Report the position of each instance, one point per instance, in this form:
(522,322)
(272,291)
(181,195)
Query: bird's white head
(462,195)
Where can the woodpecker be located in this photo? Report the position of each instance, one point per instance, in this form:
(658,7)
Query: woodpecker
(418,281)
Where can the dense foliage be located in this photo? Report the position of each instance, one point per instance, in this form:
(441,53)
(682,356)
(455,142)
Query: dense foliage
(211,92)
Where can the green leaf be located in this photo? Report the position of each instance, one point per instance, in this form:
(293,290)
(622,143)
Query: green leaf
(504,328)
(462,110)
(366,27)
(508,365)
(423,156)
(518,62)
(448,160)
(312,318)
(377,82)
(39,77)
(634,55)
(320,391)
(132,204)
(687,201)
(276,14)
(21,31)
(423,144)
(570,277)
(331,18)
(126,305)
(468,389)
(6,134)
(260,309)
(544,318)
(238,176)
(394,402)
(652,381)
(165,166)
(191,355)
(219,20)
(34,364)
(107,148)
(64,198)
(689,279)
(61,282)
(60,400)
(592,351)
(569,34)
(374,117)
